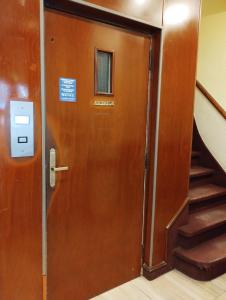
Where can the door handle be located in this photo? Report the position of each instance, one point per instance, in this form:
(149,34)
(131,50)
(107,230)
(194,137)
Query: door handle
(58,169)
(53,168)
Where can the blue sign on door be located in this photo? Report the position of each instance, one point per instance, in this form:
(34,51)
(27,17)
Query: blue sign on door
(67,89)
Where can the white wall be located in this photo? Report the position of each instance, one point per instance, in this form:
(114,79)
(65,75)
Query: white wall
(212,128)
(211,72)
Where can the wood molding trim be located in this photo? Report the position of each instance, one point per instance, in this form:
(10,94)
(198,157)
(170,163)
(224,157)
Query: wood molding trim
(101,14)
(211,99)
(151,273)
(180,219)
(44,284)
(175,218)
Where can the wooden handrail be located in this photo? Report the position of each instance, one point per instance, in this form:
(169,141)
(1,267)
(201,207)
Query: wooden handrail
(211,99)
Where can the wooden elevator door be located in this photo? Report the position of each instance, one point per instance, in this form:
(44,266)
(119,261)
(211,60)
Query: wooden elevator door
(95,210)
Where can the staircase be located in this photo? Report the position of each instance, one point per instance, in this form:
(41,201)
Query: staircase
(200,250)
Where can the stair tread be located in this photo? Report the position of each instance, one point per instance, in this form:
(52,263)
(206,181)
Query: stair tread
(204,220)
(206,191)
(195,154)
(196,171)
(205,254)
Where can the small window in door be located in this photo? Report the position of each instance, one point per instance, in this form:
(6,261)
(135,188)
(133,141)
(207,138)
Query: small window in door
(103,72)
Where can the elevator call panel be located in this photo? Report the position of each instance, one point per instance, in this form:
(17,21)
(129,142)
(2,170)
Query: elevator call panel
(22,128)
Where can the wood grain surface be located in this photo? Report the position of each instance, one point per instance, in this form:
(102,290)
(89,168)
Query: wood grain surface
(20,179)
(146,10)
(176,285)
(95,210)
(176,115)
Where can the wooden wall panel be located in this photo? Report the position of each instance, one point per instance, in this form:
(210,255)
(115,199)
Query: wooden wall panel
(147,10)
(20,179)
(181,21)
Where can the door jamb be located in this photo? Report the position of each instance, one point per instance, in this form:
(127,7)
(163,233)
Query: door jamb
(43,122)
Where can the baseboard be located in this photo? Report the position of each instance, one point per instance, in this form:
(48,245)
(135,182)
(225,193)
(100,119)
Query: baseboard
(151,273)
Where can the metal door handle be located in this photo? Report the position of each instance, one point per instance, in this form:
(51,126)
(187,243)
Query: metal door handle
(58,169)
(53,168)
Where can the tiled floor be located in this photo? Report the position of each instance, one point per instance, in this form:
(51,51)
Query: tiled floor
(171,286)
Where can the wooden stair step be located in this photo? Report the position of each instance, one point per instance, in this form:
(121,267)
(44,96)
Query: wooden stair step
(206,191)
(206,254)
(199,171)
(204,220)
(195,154)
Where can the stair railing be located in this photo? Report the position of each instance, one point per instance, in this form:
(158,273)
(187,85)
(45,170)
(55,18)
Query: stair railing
(211,99)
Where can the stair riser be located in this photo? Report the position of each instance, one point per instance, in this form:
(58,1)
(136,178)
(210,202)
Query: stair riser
(195,153)
(207,203)
(195,161)
(199,250)
(197,273)
(194,241)
(197,181)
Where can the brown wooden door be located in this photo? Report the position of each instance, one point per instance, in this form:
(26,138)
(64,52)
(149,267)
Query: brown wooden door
(95,209)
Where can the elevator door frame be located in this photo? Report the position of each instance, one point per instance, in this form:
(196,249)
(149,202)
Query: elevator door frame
(107,16)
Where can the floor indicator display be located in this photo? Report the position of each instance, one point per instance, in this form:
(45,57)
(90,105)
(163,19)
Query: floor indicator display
(22,128)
